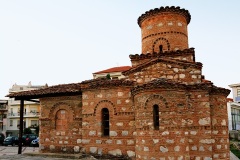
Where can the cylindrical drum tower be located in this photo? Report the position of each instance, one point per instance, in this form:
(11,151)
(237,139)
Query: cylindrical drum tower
(164,29)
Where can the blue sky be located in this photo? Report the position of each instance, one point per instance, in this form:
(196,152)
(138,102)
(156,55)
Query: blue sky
(65,41)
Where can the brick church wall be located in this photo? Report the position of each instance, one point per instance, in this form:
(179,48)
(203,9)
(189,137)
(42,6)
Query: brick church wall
(185,130)
(65,138)
(121,137)
(168,141)
(220,136)
(199,133)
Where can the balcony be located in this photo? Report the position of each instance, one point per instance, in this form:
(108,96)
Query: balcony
(25,114)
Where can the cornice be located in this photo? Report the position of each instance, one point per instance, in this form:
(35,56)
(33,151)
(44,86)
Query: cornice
(158,83)
(166,9)
(163,83)
(219,90)
(163,54)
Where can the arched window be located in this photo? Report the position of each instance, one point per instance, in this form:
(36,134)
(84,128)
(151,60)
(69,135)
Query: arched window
(161,48)
(156,117)
(61,120)
(105,122)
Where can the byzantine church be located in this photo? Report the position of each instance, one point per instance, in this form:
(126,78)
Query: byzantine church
(161,108)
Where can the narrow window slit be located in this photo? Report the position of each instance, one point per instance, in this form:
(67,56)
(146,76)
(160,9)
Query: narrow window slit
(105,122)
(156,117)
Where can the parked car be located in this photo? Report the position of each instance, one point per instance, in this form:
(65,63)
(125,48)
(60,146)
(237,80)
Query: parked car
(27,139)
(12,140)
(2,137)
(35,142)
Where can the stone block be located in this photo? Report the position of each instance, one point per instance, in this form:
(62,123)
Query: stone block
(115,152)
(93,150)
(163,149)
(124,133)
(113,133)
(131,154)
(76,149)
(98,141)
(92,133)
(52,147)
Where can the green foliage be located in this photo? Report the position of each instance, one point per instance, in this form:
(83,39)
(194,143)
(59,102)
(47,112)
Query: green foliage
(234,150)
(27,131)
(108,76)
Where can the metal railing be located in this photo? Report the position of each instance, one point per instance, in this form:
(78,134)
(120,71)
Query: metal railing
(17,114)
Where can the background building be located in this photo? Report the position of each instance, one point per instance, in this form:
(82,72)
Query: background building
(115,72)
(31,110)
(234,108)
(3,116)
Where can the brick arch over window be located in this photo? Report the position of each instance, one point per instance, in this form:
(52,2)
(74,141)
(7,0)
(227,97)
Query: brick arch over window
(105,104)
(155,104)
(58,107)
(161,43)
(156,100)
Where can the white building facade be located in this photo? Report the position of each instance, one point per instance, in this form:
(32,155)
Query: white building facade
(3,116)
(234,108)
(31,111)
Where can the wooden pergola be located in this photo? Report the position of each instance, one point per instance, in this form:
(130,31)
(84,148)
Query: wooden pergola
(21,124)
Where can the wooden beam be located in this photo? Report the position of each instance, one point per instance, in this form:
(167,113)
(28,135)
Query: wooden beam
(21,127)
(32,100)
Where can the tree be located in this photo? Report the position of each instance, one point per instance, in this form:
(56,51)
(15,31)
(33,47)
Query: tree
(27,131)
(108,76)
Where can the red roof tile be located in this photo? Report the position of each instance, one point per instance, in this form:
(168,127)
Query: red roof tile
(206,81)
(229,100)
(72,88)
(114,69)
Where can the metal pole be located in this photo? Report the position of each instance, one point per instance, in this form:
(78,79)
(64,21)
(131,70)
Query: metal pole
(2,120)
(21,127)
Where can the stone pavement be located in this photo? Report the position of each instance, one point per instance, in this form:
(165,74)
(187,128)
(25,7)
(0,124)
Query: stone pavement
(233,157)
(31,153)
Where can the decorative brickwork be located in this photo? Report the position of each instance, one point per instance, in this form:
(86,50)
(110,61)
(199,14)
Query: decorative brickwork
(164,109)
(164,28)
